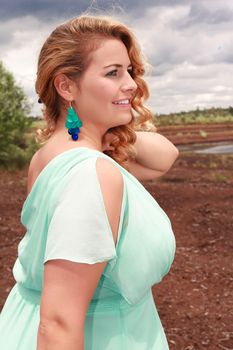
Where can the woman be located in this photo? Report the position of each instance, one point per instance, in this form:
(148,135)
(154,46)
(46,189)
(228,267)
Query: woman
(96,241)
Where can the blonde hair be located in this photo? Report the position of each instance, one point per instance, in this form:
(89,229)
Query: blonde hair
(67,51)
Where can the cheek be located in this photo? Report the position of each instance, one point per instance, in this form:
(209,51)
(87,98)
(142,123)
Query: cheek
(103,89)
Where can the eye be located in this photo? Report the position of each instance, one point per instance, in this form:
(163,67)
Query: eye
(112,73)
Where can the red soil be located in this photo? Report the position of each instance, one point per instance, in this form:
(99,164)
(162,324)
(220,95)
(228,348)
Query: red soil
(195,299)
(188,134)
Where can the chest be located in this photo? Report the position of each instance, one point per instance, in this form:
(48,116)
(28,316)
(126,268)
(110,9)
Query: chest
(146,247)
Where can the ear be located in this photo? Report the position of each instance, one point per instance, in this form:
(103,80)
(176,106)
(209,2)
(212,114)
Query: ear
(64,87)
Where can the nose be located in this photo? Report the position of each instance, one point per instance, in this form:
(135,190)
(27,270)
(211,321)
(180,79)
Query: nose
(129,84)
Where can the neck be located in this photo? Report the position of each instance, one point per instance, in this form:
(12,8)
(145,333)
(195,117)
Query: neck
(85,138)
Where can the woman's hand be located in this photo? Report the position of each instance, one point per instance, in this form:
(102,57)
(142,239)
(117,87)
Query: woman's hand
(107,141)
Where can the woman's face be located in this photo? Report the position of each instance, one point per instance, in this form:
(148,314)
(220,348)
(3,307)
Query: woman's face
(106,88)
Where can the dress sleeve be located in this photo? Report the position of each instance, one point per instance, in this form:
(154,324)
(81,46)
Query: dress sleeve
(79,230)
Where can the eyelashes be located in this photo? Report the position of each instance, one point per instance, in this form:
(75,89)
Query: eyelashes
(113,73)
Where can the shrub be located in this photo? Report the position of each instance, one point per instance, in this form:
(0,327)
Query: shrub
(14,121)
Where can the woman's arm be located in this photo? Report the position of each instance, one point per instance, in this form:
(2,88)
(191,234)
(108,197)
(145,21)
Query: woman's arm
(68,286)
(155,155)
(155,151)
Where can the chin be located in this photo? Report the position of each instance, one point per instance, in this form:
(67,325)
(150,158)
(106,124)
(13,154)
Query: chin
(126,120)
(121,120)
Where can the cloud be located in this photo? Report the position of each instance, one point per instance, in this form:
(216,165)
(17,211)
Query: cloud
(20,53)
(192,65)
(187,87)
(188,43)
(42,9)
(166,44)
(203,14)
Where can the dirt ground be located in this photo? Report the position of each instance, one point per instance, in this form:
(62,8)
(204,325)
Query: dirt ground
(195,133)
(195,299)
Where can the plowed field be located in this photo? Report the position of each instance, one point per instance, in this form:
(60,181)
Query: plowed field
(194,300)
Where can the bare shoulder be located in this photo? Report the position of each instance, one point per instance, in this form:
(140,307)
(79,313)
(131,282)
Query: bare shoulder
(34,160)
(112,185)
(40,158)
(38,161)
(106,170)
(34,169)
(110,178)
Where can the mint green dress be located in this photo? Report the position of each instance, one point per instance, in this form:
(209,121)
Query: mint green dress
(65,218)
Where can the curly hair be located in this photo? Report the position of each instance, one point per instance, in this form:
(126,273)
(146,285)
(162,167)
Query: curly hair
(67,51)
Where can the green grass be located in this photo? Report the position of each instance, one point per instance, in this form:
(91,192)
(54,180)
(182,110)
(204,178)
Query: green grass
(217,177)
(206,116)
(38,124)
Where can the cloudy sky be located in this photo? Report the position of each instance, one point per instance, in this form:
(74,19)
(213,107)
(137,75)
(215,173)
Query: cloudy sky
(189,43)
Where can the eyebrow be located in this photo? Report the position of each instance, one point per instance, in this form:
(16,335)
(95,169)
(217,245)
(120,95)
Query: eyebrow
(118,65)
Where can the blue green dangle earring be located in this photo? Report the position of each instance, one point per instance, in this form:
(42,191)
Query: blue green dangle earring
(73,123)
